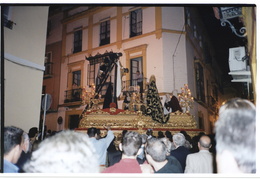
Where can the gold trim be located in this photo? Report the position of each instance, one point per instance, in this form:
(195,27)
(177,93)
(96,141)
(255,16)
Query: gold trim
(64,41)
(173,31)
(130,119)
(119,43)
(74,30)
(119,27)
(108,18)
(129,51)
(158,22)
(80,66)
(84,14)
(135,121)
(90,32)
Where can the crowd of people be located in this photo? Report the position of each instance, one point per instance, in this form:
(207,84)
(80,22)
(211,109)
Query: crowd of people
(232,149)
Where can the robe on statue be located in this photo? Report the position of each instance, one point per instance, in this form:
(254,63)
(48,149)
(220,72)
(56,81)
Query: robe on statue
(154,105)
(109,97)
(175,105)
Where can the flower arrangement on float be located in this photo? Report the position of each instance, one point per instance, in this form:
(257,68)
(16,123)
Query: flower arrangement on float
(185,99)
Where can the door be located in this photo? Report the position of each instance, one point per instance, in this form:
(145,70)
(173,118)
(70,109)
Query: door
(73,121)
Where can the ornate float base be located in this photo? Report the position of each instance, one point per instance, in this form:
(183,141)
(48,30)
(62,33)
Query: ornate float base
(120,120)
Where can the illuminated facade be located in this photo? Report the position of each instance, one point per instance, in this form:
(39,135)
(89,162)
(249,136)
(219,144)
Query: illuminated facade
(167,42)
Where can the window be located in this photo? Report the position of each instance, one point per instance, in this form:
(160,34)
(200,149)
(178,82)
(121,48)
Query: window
(48,65)
(136,72)
(95,75)
(207,55)
(77,41)
(188,17)
(135,61)
(75,82)
(200,41)
(105,33)
(195,31)
(7,22)
(73,121)
(93,72)
(201,120)
(200,82)
(136,23)
(76,78)
(136,65)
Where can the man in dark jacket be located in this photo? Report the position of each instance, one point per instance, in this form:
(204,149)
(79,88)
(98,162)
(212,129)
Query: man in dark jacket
(180,152)
(157,157)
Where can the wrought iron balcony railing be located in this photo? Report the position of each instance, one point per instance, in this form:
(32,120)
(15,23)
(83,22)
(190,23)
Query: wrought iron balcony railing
(212,103)
(132,85)
(48,70)
(73,95)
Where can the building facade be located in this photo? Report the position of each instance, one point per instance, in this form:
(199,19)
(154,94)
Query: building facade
(51,79)
(24,50)
(167,42)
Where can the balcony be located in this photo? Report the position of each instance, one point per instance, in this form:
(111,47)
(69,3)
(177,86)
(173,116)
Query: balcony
(48,73)
(131,86)
(212,103)
(73,95)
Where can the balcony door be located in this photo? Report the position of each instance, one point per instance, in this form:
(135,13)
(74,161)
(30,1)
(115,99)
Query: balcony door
(73,121)
(136,65)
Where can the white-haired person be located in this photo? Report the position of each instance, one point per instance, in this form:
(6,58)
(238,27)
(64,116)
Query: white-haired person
(65,152)
(180,152)
(158,156)
(236,137)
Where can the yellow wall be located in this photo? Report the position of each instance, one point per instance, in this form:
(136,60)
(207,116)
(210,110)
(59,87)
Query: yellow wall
(249,15)
(23,84)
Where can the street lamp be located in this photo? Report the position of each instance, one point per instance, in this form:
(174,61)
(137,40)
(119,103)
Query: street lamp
(225,14)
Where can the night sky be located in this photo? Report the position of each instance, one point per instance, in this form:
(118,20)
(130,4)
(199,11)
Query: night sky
(222,38)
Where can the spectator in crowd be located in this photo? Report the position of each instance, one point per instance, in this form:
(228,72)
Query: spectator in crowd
(149,133)
(188,141)
(130,147)
(168,134)
(113,154)
(66,152)
(141,157)
(12,148)
(157,155)
(33,134)
(160,134)
(25,155)
(180,152)
(235,132)
(101,145)
(194,144)
(98,134)
(168,145)
(202,161)
(213,151)
(123,134)
(35,145)
(187,145)
(42,135)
